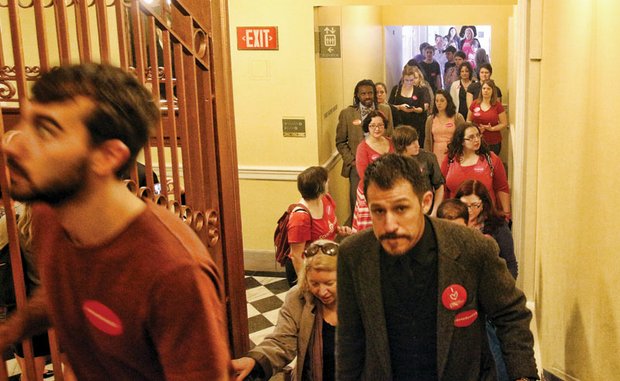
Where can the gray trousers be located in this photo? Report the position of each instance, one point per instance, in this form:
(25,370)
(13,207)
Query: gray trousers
(354,180)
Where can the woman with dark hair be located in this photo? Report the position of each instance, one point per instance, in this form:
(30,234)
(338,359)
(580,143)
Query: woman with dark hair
(306,324)
(469,158)
(453,38)
(484,217)
(458,89)
(320,223)
(489,115)
(410,99)
(382,98)
(441,124)
(373,146)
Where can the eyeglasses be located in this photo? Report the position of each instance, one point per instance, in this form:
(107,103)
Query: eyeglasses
(376,126)
(472,137)
(328,248)
(474,205)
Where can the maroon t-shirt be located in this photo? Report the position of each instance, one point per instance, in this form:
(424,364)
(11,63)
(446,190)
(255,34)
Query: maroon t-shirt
(490,116)
(146,305)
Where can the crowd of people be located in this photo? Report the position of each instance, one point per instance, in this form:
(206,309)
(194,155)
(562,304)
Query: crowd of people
(403,296)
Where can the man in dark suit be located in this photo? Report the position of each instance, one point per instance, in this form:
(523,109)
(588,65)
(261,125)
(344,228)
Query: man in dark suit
(349,133)
(414,292)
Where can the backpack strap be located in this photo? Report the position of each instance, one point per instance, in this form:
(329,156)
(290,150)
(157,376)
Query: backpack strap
(293,208)
(299,207)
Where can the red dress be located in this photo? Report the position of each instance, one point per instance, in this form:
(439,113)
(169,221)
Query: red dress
(365,155)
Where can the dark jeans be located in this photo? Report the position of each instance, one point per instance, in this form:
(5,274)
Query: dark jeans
(354,180)
(291,275)
(496,148)
(496,350)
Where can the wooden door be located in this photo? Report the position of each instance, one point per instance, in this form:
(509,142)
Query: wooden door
(181,51)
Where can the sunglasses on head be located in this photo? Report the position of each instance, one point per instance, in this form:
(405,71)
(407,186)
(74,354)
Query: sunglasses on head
(328,248)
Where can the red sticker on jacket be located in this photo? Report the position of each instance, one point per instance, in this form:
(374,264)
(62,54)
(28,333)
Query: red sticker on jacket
(102,317)
(415,97)
(357,122)
(454,297)
(465,319)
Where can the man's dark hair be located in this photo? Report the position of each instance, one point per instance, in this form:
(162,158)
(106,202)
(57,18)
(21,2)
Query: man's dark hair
(402,137)
(311,182)
(423,46)
(364,82)
(390,168)
(461,54)
(123,108)
(450,48)
(453,209)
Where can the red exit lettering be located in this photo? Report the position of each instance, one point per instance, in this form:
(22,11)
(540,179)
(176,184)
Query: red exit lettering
(257,38)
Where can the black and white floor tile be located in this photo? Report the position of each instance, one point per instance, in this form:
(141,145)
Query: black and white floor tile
(265,293)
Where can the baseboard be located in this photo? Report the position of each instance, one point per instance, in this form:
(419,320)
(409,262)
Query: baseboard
(261,261)
(273,274)
(548,376)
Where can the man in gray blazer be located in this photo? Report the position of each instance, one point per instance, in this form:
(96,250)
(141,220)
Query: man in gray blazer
(414,292)
(349,133)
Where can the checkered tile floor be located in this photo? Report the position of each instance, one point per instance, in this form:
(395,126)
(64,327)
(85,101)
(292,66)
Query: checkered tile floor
(265,295)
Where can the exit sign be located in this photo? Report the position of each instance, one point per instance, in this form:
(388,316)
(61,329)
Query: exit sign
(257,38)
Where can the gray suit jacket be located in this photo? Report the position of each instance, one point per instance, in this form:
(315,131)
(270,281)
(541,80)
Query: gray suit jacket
(349,135)
(466,258)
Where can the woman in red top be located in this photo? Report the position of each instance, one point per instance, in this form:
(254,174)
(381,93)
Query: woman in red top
(321,223)
(375,145)
(469,158)
(489,115)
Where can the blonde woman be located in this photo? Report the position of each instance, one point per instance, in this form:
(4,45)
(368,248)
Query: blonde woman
(411,100)
(306,324)
(40,342)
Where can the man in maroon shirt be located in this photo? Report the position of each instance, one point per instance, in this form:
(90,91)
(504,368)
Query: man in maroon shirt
(431,69)
(132,292)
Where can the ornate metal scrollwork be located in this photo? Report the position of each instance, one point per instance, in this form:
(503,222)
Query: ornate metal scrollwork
(161,75)
(9,73)
(200,43)
(213,231)
(195,219)
(7,90)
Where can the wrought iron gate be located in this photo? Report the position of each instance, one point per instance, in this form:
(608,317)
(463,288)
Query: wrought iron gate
(178,49)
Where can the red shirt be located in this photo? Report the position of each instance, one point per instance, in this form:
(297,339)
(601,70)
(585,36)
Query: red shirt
(490,116)
(455,174)
(301,229)
(146,305)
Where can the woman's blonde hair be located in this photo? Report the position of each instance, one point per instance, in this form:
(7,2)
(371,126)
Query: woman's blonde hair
(24,227)
(317,262)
